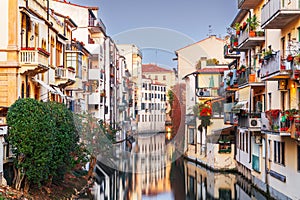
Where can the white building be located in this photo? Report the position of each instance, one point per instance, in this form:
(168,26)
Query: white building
(153,100)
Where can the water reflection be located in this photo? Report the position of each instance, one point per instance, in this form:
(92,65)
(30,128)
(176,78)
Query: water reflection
(153,175)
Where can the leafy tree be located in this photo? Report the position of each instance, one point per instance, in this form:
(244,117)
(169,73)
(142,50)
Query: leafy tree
(31,134)
(65,139)
(44,141)
(96,136)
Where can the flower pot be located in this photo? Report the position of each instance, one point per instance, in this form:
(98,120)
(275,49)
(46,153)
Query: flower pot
(251,33)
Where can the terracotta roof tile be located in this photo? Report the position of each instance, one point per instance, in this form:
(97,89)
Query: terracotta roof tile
(212,70)
(153,68)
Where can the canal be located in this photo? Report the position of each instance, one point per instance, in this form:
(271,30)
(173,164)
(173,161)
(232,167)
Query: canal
(154,171)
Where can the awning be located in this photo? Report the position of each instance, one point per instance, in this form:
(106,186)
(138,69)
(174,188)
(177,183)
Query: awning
(242,105)
(217,134)
(61,38)
(45,85)
(32,17)
(223,131)
(58,91)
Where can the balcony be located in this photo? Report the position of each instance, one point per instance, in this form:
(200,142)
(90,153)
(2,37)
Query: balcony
(230,52)
(229,116)
(94,98)
(276,14)
(65,76)
(97,26)
(275,121)
(94,74)
(247,41)
(273,68)
(248,4)
(245,77)
(33,61)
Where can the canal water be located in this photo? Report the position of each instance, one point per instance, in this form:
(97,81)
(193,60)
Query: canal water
(152,172)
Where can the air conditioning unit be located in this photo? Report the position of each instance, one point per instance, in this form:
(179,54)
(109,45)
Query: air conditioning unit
(258,139)
(203,92)
(254,123)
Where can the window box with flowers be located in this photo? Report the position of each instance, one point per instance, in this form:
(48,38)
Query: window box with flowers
(72,69)
(43,51)
(28,48)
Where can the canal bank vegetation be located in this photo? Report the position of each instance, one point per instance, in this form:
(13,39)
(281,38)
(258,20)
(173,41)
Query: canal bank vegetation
(45,144)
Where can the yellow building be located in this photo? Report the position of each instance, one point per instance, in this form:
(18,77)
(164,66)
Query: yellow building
(267,100)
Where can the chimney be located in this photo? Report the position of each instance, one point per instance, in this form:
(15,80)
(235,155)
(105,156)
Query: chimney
(203,62)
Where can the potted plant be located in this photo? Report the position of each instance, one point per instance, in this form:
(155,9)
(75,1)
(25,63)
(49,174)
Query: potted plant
(243,68)
(297,59)
(237,28)
(268,54)
(289,58)
(253,24)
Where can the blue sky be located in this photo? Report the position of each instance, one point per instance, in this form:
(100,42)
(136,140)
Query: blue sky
(180,22)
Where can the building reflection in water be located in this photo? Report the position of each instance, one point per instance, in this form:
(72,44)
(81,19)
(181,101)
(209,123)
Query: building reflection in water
(151,174)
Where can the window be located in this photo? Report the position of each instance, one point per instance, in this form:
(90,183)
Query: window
(23,91)
(156,77)
(58,53)
(279,152)
(164,77)
(270,100)
(246,142)
(143,106)
(255,157)
(191,136)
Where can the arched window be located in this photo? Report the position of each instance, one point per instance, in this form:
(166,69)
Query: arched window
(22,90)
(28,90)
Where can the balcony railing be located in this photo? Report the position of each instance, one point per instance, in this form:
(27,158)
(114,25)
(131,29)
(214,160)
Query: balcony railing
(275,14)
(246,41)
(276,121)
(65,74)
(230,52)
(229,117)
(273,68)
(34,60)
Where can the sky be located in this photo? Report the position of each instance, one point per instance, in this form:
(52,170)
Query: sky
(160,27)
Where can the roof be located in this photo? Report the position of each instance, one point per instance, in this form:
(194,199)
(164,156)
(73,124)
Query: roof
(211,70)
(200,42)
(158,83)
(154,68)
